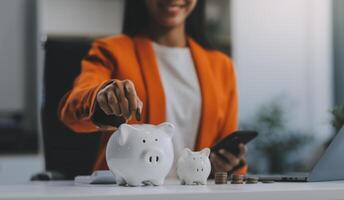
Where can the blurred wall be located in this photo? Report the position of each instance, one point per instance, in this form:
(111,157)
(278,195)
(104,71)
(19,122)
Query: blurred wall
(18,83)
(338,42)
(18,60)
(12,55)
(283,50)
(81,17)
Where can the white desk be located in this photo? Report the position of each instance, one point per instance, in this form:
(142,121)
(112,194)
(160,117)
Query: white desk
(172,190)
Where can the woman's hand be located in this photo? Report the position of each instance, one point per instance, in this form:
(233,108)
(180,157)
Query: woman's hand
(229,162)
(119,98)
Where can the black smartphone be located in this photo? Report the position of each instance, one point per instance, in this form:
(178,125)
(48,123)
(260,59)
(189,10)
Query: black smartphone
(232,141)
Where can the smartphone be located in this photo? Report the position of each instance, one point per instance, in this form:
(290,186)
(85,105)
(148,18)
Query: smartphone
(232,141)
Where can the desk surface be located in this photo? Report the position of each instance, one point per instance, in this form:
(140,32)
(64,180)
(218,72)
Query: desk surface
(172,190)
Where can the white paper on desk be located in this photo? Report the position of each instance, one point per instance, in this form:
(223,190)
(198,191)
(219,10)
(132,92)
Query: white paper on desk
(97,177)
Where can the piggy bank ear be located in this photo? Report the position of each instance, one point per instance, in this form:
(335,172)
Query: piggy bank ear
(186,152)
(124,131)
(205,152)
(167,128)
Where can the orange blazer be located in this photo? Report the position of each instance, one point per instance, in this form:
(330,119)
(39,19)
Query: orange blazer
(123,57)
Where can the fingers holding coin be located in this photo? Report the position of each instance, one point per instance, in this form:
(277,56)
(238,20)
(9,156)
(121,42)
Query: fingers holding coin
(120,98)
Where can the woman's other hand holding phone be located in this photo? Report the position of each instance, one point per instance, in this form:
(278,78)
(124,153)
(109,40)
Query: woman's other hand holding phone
(228,162)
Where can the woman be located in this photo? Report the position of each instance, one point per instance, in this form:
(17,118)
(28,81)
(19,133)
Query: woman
(160,69)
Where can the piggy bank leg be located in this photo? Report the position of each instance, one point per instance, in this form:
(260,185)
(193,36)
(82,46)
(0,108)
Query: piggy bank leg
(203,182)
(134,183)
(189,182)
(157,182)
(146,183)
(120,180)
(182,182)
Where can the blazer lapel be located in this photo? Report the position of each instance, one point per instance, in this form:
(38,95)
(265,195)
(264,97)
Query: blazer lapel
(156,106)
(155,94)
(207,124)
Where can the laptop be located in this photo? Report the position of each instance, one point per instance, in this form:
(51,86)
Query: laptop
(330,167)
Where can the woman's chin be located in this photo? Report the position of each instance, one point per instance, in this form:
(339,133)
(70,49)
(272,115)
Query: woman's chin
(171,23)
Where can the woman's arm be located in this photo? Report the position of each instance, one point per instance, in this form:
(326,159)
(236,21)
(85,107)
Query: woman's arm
(78,106)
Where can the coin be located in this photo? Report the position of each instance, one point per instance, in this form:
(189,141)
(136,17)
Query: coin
(237,182)
(251,180)
(237,179)
(221,178)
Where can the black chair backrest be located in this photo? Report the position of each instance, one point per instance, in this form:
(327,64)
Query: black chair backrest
(65,151)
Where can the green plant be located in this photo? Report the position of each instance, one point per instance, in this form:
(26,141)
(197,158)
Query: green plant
(337,117)
(276,143)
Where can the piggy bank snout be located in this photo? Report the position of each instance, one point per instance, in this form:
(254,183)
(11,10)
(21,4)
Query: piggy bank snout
(199,168)
(152,156)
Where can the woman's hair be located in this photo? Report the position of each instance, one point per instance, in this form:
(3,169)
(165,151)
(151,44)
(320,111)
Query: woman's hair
(136,21)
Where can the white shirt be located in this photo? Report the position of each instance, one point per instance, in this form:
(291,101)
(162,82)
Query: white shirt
(183,96)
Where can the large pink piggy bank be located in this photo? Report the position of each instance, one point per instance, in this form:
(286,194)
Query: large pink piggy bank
(141,154)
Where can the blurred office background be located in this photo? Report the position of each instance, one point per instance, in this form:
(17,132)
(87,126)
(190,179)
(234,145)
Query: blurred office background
(288,57)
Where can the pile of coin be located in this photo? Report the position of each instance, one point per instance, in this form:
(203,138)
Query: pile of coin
(237,179)
(221,177)
(251,180)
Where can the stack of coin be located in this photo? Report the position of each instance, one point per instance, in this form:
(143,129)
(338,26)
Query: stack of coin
(221,178)
(237,179)
(251,180)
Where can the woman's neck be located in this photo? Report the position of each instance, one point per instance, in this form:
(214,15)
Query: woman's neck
(172,37)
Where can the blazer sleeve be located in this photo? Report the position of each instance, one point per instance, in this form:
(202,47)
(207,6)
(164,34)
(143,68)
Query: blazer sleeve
(230,123)
(231,116)
(78,105)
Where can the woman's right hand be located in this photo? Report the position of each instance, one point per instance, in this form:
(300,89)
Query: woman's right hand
(119,98)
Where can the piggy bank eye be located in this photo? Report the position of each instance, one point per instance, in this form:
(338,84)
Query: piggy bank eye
(156,140)
(143,141)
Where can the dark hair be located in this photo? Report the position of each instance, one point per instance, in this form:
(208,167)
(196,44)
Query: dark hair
(136,20)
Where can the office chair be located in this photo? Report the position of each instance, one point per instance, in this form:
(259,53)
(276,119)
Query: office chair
(67,154)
